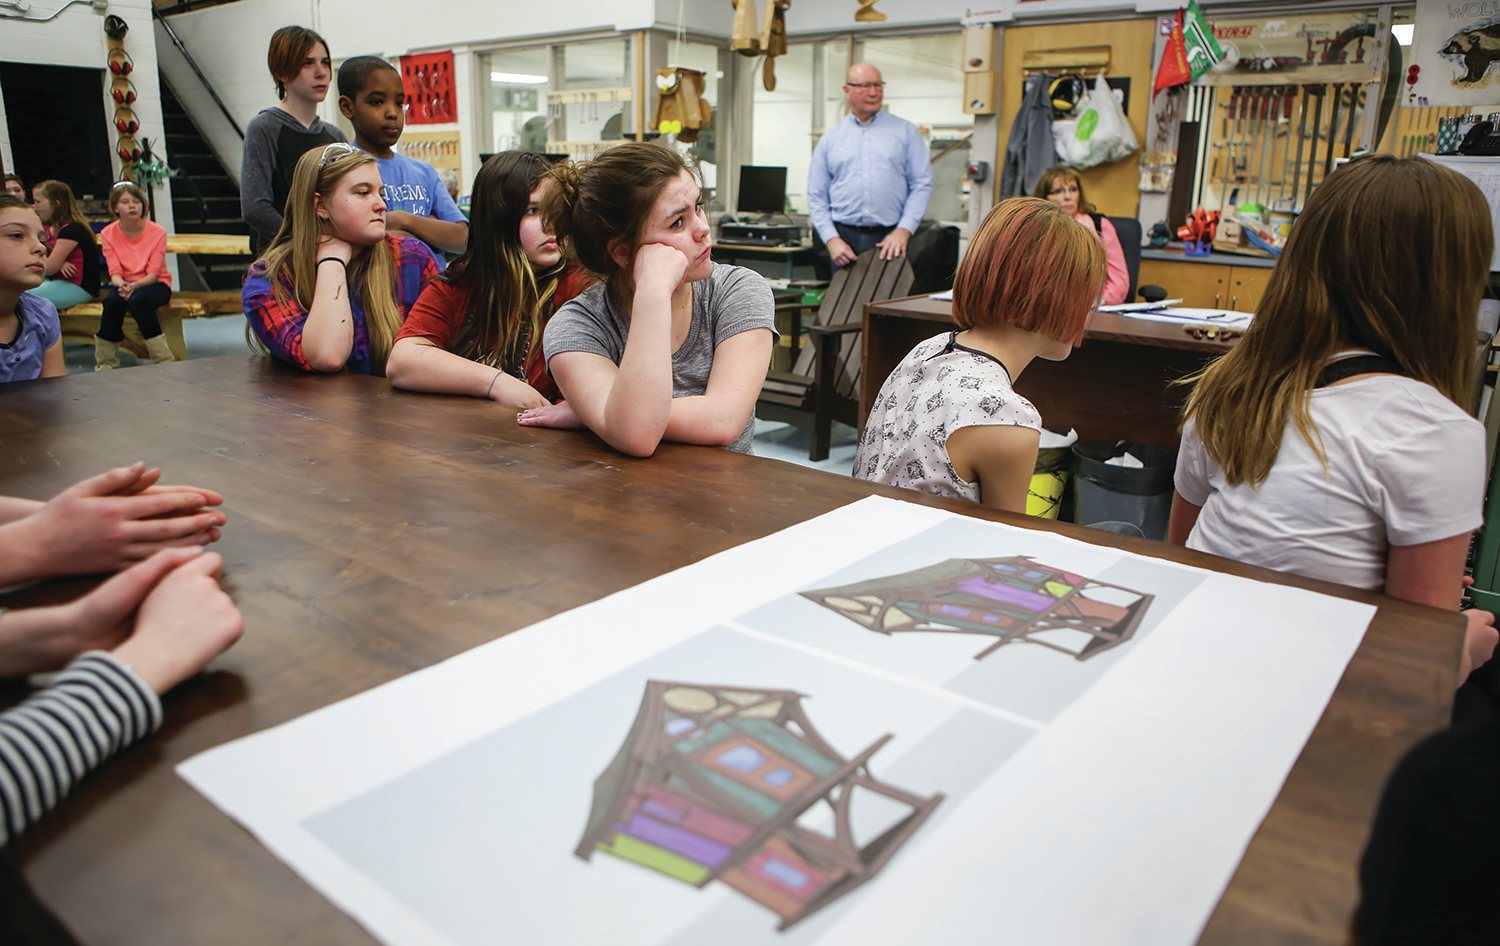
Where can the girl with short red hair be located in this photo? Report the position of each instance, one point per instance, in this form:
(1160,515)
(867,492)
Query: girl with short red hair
(948,420)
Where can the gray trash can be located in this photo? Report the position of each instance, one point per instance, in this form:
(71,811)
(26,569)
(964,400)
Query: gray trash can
(1142,495)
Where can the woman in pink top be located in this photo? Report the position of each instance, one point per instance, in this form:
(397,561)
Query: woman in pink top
(136,250)
(1062,186)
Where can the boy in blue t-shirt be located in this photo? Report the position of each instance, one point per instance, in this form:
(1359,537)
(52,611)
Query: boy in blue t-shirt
(417,204)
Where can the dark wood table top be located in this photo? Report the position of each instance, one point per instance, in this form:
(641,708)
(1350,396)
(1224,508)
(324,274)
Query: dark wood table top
(372,533)
(1105,327)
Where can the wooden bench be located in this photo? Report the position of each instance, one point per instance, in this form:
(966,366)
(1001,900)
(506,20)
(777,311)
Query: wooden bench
(80,323)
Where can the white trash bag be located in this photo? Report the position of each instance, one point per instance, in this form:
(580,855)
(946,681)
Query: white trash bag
(1100,134)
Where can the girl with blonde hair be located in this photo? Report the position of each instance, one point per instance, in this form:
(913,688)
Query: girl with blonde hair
(1330,442)
(333,288)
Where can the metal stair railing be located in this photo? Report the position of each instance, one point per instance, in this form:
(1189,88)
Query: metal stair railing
(193,63)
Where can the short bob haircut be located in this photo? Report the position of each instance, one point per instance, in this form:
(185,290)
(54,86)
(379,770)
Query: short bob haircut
(289,47)
(126,187)
(1030,266)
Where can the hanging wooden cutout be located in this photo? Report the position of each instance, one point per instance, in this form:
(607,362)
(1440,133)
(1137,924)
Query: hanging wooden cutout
(867,12)
(681,109)
(770,41)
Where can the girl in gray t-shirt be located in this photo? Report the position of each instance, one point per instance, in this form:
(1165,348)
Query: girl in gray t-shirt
(670,345)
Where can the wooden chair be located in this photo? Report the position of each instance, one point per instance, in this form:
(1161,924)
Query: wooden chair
(825,378)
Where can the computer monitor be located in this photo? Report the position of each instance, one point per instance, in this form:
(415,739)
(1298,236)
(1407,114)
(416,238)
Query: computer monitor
(762,190)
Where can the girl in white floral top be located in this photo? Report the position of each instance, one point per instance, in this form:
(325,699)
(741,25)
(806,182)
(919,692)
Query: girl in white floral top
(948,420)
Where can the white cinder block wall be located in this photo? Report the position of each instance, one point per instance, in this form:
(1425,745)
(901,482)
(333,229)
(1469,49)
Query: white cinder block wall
(76,38)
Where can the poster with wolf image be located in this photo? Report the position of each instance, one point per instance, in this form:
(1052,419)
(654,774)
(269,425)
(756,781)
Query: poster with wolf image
(1456,47)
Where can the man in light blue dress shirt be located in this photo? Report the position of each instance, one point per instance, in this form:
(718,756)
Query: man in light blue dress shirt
(870,178)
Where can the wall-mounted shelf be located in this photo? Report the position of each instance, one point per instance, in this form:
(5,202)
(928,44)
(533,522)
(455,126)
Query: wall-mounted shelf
(1084,60)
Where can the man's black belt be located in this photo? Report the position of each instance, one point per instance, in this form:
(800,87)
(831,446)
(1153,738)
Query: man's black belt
(856,229)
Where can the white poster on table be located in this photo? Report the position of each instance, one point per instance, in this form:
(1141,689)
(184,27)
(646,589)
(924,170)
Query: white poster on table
(1456,47)
(886,724)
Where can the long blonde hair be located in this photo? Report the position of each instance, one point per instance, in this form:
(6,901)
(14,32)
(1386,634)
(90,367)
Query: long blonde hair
(1390,255)
(291,261)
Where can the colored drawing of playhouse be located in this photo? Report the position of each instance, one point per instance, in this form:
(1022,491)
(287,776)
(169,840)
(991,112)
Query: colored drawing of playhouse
(730,784)
(1011,600)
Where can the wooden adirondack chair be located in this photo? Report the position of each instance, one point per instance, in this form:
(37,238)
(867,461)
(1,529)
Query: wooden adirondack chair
(825,379)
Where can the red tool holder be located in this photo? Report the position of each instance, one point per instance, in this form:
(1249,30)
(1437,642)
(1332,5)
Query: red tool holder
(428,81)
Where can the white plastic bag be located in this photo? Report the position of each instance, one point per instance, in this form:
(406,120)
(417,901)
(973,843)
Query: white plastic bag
(1100,134)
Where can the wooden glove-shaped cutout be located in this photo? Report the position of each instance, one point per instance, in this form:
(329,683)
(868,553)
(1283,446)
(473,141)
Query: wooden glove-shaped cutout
(770,40)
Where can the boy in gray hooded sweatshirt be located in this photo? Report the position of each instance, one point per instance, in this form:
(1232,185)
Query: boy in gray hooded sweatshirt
(299,63)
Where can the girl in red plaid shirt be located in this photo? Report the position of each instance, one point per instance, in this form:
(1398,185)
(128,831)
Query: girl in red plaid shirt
(333,288)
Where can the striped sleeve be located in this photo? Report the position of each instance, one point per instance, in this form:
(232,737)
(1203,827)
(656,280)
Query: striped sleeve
(93,709)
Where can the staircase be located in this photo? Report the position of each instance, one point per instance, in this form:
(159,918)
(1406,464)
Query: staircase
(205,199)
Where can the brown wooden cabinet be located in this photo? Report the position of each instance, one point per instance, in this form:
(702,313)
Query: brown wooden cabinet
(1246,286)
(1211,285)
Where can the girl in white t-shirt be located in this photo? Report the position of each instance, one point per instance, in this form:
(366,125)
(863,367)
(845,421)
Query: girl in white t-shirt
(1330,442)
(947,420)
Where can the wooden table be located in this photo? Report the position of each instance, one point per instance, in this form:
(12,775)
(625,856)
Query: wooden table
(211,244)
(372,533)
(1116,386)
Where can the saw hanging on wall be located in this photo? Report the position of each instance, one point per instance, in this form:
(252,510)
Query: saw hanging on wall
(770,41)
(681,109)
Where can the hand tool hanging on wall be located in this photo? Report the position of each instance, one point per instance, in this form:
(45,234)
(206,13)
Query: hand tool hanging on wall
(1237,101)
(1318,93)
(1227,170)
(1288,102)
(1301,144)
(1271,107)
(1356,101)
(1252,173)
(1247,149)
(1218,144)
(1333,128)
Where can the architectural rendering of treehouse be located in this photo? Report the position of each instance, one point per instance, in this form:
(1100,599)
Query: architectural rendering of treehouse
(725,783)
(1008,599)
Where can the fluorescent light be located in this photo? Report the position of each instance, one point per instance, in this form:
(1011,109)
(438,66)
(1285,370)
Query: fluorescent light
(518,78)
(1403,32)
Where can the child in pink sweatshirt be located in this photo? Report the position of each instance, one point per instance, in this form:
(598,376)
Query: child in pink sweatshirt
(136,250)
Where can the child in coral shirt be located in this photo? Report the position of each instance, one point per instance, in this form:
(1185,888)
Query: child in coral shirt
(136,250)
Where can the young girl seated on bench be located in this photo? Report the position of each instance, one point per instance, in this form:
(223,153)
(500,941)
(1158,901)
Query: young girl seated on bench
(72,253)
(948,420)
(333,289)
(477,328)
(136,250)
(670,346)
(1330,441)
(30,334)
